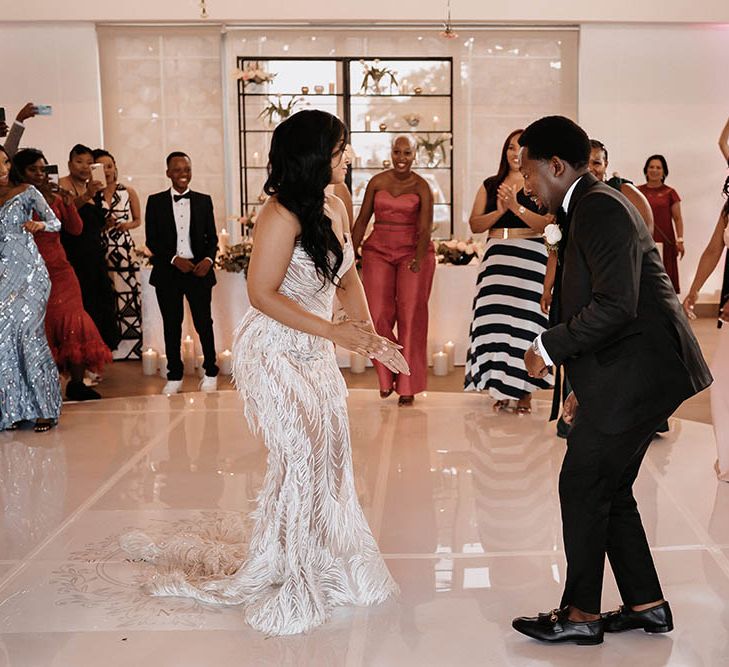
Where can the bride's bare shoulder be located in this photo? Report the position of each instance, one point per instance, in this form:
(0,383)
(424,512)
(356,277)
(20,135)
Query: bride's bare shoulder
(274,214)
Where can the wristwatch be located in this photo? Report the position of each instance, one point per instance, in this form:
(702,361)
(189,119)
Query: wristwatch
(521,210)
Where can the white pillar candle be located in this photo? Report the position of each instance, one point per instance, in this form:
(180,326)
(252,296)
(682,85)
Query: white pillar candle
(199,360)
(188,355)
(223,240)
(450,349)
(225,362)
(436,120)
(440,363)
(357,363)
(332,88)
(162,360)
(149,362)
(256,159)
(404,87)
(368,123)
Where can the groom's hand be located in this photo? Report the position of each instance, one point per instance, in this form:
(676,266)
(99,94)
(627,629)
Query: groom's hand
(534,363)
(569,409)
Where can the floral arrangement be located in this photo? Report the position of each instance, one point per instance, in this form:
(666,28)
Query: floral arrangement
(236,258)
(457,252)
(278,108)
(254,74)
(431,148)
(376,73)
(552,236)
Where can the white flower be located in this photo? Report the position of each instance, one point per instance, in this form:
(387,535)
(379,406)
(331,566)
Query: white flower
(461,246)
(552,234)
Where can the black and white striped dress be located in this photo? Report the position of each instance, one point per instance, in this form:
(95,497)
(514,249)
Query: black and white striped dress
(506,313)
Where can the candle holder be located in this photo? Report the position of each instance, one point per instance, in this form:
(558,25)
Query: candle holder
(382,126)
(304,90)
(319,90)
(418,90)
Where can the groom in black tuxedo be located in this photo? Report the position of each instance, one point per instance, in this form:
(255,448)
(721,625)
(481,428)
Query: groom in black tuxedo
(631,359)
(180,231)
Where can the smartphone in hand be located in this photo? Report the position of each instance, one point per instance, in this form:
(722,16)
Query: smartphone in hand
(52,174)
(2,114)
(97,173)
(44,109)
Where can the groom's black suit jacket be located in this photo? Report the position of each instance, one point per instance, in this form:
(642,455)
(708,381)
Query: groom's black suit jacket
(623,337)
(161,235)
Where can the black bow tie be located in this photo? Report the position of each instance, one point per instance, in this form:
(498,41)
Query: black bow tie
(178,197)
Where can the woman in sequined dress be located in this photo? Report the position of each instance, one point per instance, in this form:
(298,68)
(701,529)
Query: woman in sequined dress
(72,335)
(29,390)
(123,213)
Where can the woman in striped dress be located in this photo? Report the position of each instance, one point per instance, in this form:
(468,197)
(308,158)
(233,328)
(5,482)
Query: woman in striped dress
(506,312)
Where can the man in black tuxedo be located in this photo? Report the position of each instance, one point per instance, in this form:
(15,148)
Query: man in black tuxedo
(180,230)
(631,359)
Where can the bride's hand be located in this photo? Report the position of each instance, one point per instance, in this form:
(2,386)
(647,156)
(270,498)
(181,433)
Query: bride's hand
(393,359)
(358,337)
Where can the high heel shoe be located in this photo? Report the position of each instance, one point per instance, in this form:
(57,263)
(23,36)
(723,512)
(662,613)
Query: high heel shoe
(385,394)
(405,400)
(43,425)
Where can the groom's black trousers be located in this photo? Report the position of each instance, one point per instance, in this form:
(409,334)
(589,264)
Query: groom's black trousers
(600,515)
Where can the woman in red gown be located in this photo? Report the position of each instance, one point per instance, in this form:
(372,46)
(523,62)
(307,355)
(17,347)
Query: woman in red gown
(72,335)
(398,264)
(666,206)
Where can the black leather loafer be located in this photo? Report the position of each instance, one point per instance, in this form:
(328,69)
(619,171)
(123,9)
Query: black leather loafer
(555,627)
(653,620)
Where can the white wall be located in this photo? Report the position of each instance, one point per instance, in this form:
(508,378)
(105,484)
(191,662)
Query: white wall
(54,64)
(525,11)
(662,89)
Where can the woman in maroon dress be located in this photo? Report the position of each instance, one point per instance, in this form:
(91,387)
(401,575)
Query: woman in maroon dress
(72,335)
(666,206)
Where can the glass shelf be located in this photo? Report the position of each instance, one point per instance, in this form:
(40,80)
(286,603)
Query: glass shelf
(357,108)
(309,94)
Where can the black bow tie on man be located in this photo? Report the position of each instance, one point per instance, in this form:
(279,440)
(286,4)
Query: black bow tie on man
(179,197)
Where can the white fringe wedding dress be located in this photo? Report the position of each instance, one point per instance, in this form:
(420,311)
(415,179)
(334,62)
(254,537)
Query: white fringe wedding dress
(310,548)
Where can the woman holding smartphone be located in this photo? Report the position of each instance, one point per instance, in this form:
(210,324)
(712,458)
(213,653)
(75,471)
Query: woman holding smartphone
(86,252)
(72,335)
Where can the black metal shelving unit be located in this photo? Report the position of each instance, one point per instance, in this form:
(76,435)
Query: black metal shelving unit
(345,99)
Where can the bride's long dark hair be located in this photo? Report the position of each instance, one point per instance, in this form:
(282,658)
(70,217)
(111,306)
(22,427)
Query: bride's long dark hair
(299,168)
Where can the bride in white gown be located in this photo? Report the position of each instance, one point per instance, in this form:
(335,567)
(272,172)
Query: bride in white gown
(310,548)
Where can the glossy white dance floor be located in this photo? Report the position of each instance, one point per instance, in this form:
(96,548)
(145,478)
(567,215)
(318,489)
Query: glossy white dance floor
(463,503)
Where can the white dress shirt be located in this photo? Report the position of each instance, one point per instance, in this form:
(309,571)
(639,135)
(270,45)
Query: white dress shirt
(538,340)
(181,212)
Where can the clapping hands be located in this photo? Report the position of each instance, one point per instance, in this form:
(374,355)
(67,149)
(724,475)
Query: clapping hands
(360,337)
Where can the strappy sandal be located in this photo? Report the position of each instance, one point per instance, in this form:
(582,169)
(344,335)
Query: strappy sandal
(13,427)
(523,409)
(43,425)
(405,400)
(501,406)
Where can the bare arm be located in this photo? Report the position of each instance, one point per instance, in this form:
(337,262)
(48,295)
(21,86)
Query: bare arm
(709,259)
(546,301)
(724,141)
(135,209)
(480,221)
(425,224)
(678,223)
(638,199)
(365,213)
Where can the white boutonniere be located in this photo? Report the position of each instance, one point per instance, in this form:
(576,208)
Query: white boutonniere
(552,236)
